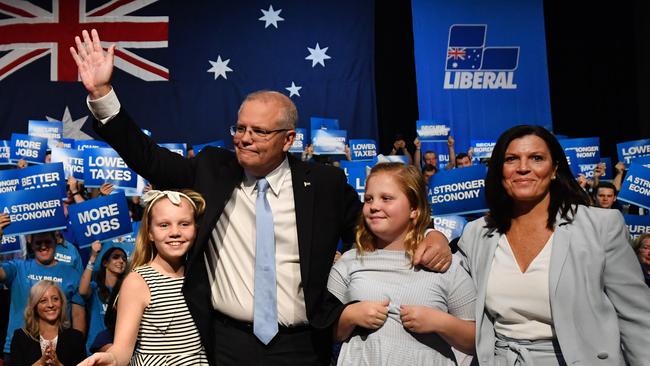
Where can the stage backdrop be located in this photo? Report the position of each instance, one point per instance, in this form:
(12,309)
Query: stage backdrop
(481,66)
(183,67)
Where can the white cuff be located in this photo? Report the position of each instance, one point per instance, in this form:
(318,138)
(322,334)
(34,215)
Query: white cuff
(104,108)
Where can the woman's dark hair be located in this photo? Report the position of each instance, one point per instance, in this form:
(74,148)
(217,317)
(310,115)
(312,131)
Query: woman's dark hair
(110,317)
(100,275)
(566,194)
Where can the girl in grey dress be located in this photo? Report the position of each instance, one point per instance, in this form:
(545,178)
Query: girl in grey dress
(399,314)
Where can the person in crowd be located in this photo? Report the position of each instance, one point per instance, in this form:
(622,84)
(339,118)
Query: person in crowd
(104,339)
(401,314)
(302,211)
(399,148)
(605,195)
(429,157)
(21,274)
(428,171)
(46,338)
(642,248)
(4,221)
(154,325)
(558,282)
(460,160)
(112,268)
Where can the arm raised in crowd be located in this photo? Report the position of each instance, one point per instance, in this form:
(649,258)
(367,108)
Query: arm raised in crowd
(86,277)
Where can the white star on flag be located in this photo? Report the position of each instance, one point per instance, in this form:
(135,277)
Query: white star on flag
(219,68)
(71,128)
(271,17)
(294,89)
(317,55)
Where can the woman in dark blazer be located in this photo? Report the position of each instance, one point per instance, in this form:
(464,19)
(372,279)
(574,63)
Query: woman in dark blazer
(46,338)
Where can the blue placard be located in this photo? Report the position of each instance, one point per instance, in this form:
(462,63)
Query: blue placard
(90,144)
(572,159)
(30,148)
(50,130)
(588,169)
(450,225)
(33,177)
(298,145)
(199,147)
(431,131)
(356,172)
(393,159)
(482,149)
(62,143)
(637,225)
(319,123)
(33,210)
(363,149)
(105,165)
(643,160)
(11,244)
(100,219)
(628,151)
(440,148)
(5,152)
(72,160)
(329,142)
(636,186)
(178,148)
(458,191)
(587,149)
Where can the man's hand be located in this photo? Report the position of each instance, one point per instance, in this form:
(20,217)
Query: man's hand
(105,189)
(450,141)
(4,221)
(95,66)
(433,252)
(21,164)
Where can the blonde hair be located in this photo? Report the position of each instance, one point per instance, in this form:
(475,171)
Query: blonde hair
(32,328)
(145,251)
(412,184)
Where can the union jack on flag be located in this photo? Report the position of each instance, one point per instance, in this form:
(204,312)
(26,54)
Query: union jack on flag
(29,32)
(456,53)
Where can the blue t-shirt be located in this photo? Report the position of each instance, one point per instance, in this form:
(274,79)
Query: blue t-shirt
(21,275)
(68,253)
(97,311)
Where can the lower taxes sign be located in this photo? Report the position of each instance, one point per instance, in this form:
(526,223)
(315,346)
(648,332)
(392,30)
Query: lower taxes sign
(458,191)
(636,186)
(105,165)
(100,219)
(33,210)
(363,149)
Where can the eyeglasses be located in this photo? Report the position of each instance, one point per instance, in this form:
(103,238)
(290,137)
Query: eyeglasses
(117,256)
(257,134)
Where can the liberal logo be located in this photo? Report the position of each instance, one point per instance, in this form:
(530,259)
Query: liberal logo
(472,65)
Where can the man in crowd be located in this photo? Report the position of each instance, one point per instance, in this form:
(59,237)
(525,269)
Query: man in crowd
(605,195)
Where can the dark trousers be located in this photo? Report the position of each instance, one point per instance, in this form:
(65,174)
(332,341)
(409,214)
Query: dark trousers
(236,345)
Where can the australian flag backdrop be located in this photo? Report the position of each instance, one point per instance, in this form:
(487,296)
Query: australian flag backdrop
(481,66)
(183,67)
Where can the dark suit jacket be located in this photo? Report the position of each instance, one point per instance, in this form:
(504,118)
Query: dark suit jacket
(326,207)
(70,348)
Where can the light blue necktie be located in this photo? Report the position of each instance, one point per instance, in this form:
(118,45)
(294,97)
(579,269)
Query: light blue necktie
(265,308)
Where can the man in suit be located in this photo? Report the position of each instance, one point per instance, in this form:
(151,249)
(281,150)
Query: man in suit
(312,207)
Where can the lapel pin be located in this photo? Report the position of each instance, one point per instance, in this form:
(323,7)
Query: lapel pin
(307,184)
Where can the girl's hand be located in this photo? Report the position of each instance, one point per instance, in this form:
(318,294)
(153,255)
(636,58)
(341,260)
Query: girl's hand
(369,314)
(100,359)
(96,247)
(418,319)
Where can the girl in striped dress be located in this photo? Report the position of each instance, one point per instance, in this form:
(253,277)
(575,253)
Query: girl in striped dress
(154,325)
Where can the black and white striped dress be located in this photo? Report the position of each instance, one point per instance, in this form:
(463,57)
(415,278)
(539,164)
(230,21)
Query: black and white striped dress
(167,333)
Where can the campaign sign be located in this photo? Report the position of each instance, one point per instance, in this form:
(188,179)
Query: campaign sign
(4,152)
(33,210)
(72,160)
(572,160)
(61,143)
(587,149)
(356,172)
(30,148)
(440,148)
(482,149)
(138,190)
(105,165)
(298,145)
(637,225)
(392,159)
(216,143)
(458,191)
(363,149)
(11,244)
(431,131)
(100,219)
(644,160)
(628,151)
(90,144)
(588,169)
(45,129)
(450,225)
(329,142)
(33,177)
(636,186)
(178,148)
(319,123)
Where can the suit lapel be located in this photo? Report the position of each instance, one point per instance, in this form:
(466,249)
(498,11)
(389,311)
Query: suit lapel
(303,195)
(485,265)
(561,246)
